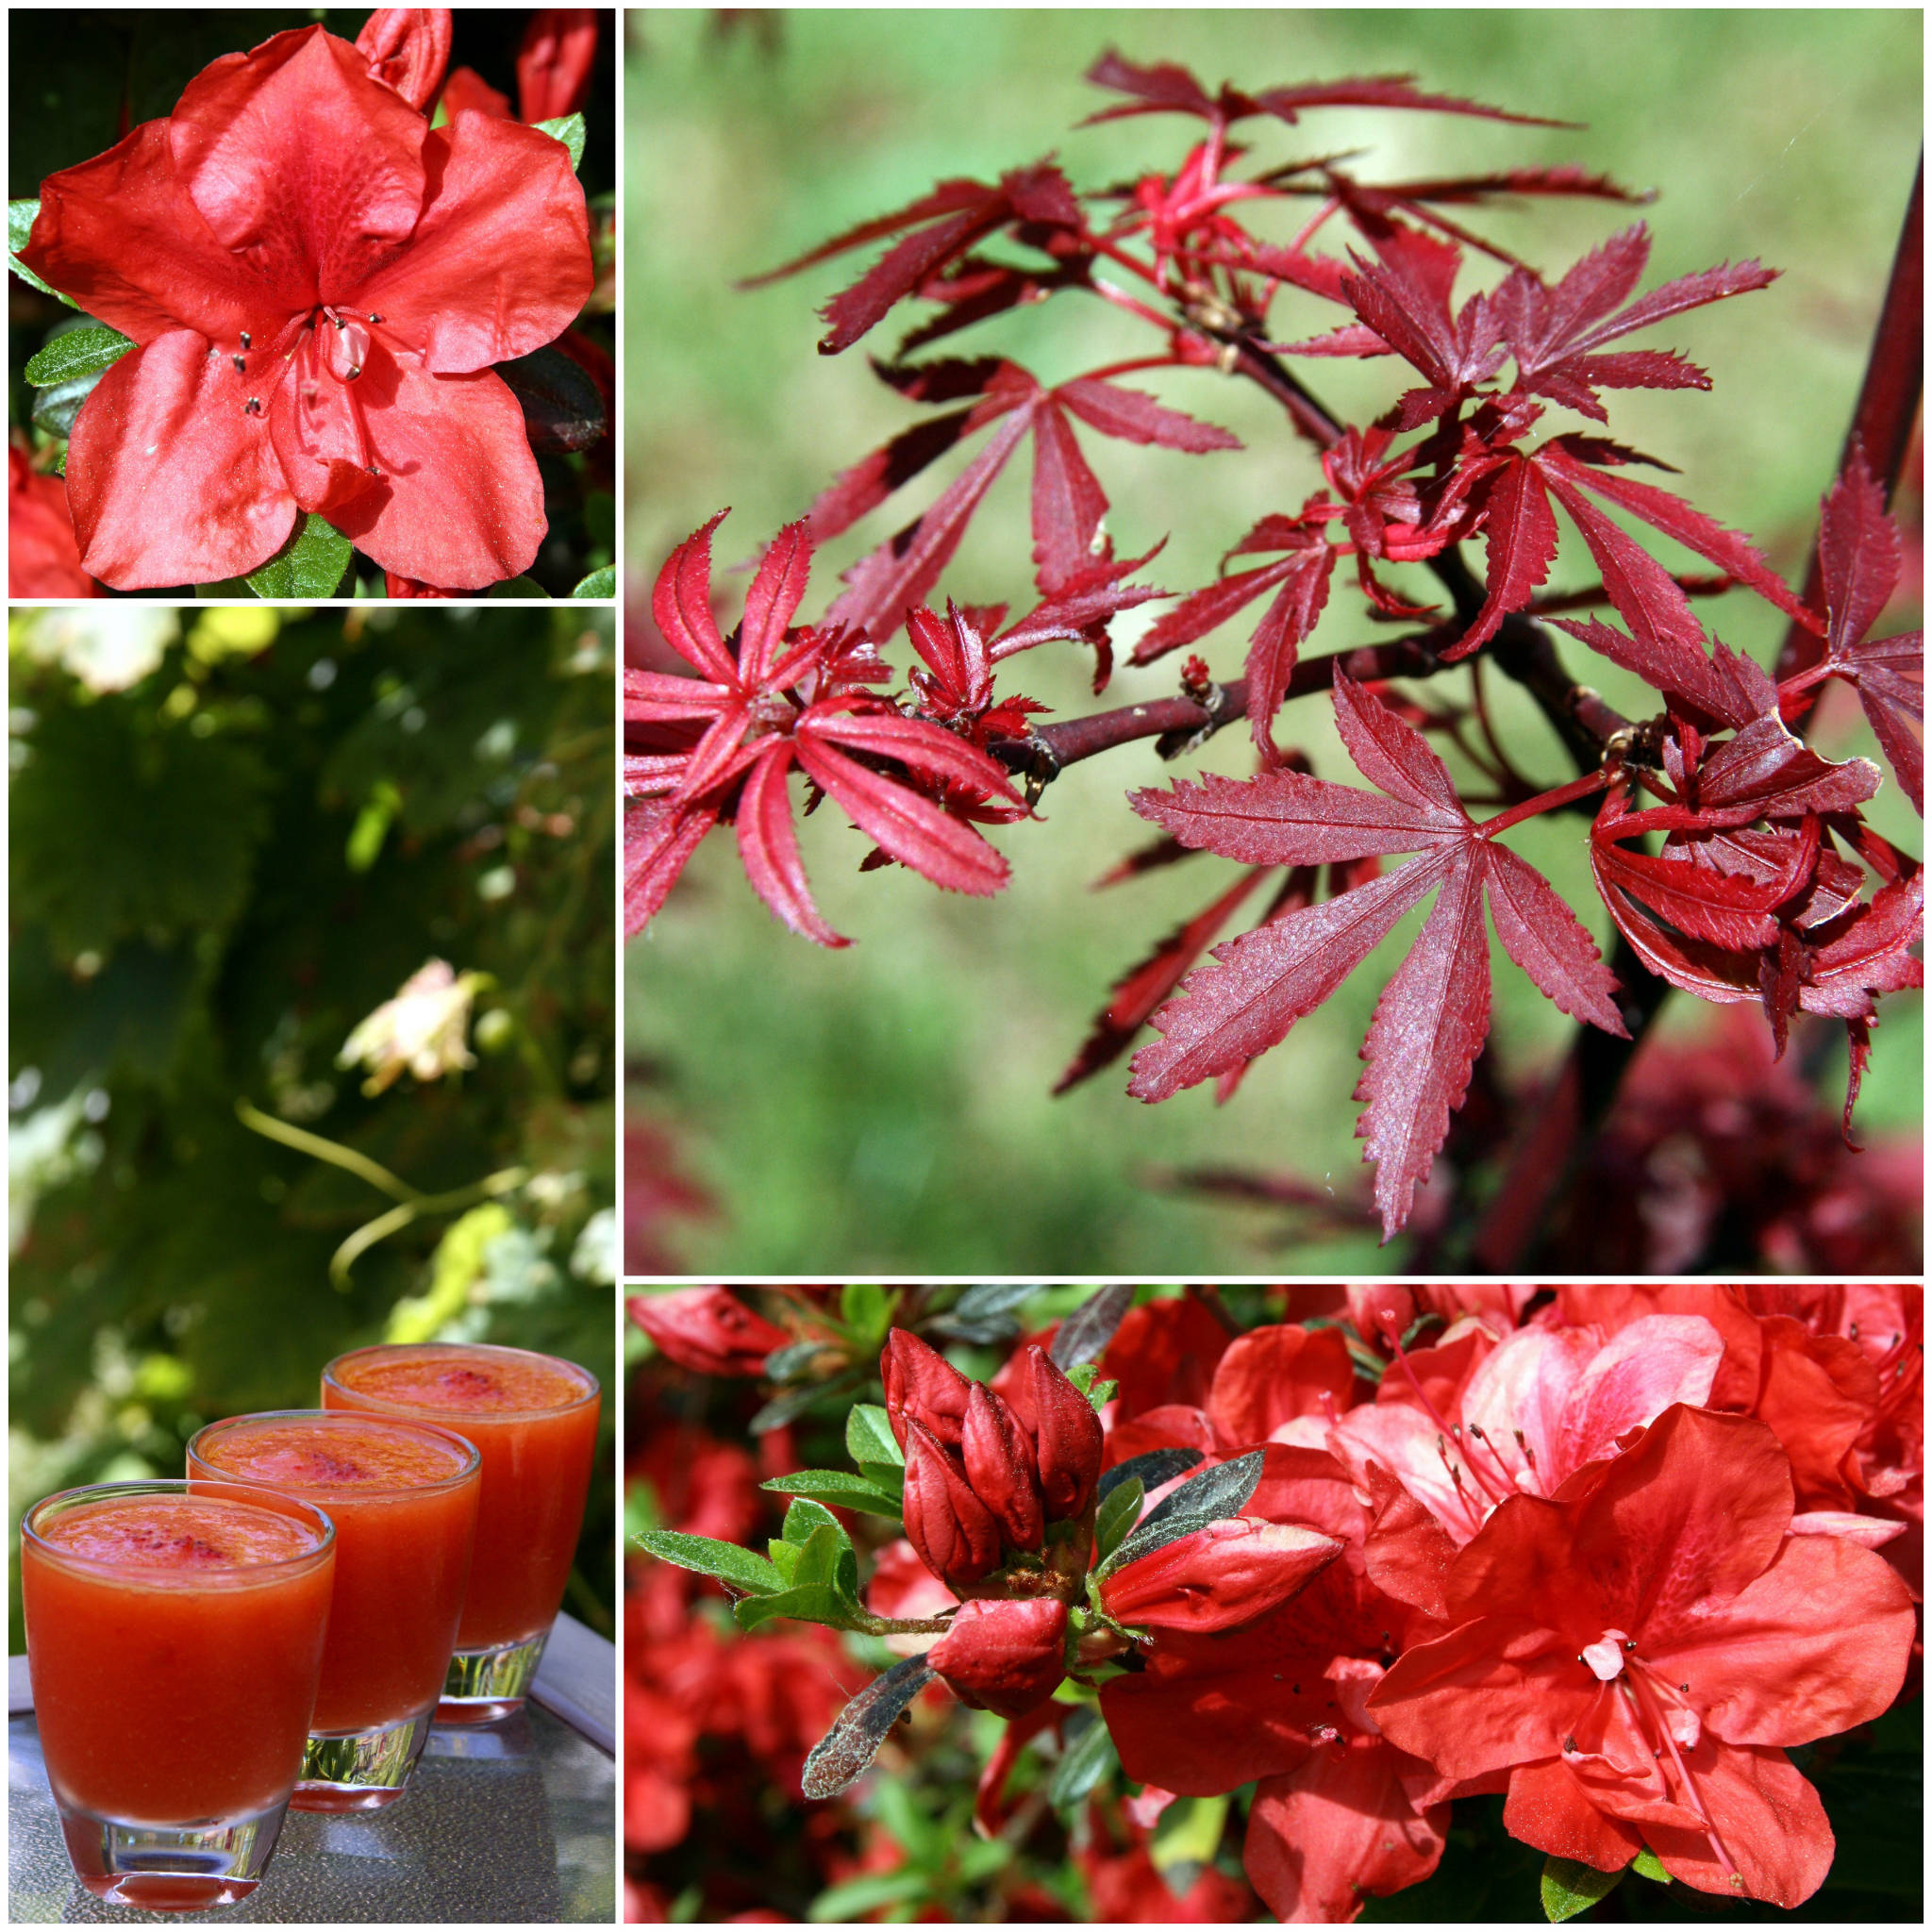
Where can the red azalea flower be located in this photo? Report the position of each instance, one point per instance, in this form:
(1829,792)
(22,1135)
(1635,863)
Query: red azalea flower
(1339,1812)
(42,559)
(318,284)
(1636,1657)
(708,1329)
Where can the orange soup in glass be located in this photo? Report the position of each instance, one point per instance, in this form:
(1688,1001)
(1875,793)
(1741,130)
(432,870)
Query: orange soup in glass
(533,1419)
(403,1497)
(175,1645)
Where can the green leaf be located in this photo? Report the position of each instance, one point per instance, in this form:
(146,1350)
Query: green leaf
(1117,1515)
(744,1569)
(1084,1335)
(841,1904)
(1212,1496)
(75,353)
(803,1518)
(55,409)
(794,1362)
(598,586)
(866,1308)
(818,1560)
(1570,1887)
(1646,1864)
(808,1603)
(868,1435)
(889,1477)
(1091,1759)
(20,222)
(310,564)
(784,1557)
(570,130)
(518,586)
(835,1486)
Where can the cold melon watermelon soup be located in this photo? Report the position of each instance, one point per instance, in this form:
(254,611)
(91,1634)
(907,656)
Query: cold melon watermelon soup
(403,1497)
(533,1419)
(174,1642)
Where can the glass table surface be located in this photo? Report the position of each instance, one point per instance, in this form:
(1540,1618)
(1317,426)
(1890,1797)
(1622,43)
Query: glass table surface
(511,1823)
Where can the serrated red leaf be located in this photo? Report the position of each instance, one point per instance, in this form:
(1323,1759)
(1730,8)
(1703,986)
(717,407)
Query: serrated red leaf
(1163,87)
(1068,501)
(897,576)
(1519,538)
(1728,911)
(1858,554)
(1206,609)
(1276,643)
(1395,758)
(1429,1025)
(867,484)
(1548,942)
(1271,978)
(658,838)
(768,845)
(776,591)
(1144,986)
(1766,769)
(1872,956)
(927,749)
(903,822)
(1287,818)
(681,604)
(1385,90)
(1130,415)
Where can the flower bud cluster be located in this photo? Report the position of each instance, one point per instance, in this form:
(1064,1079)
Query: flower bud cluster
(985,1476)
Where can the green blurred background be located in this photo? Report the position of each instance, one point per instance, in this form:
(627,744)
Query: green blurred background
(234,834)
(888,1107)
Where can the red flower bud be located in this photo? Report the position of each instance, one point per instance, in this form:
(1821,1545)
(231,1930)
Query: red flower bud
(922,1386)
(708,1329)
(1226,1575)
(1004,1655)
(1068,1437)
(999,1465)
(951,1528)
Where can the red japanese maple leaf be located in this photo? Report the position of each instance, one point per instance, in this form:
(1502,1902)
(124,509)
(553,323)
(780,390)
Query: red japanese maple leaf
(1858,548)
(1433,1015)
(1068,502)
(318,283)
(780,699)
(1633,1659)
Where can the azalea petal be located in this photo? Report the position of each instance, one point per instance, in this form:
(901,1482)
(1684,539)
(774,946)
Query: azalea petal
(1338,1828)
(1769,1817)
(1632,1379)
(1495,1692)
(1523,1388)
(1548,1809)
(1816,1644)
(316,422)
(1275,1373)
(296,156)
(120,236)
(172,480)
(459,502)
(500,262)
(1199,1731)
(1696,1510)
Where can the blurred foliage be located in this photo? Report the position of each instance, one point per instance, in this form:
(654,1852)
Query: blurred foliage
(226,850)
(889,1104)
(83,78)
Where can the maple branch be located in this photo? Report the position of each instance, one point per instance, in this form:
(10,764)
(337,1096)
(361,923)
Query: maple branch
(1886,408)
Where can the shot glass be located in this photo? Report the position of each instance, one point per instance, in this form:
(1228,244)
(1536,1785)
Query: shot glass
(533,1419)
(403,1497)
(174,1640)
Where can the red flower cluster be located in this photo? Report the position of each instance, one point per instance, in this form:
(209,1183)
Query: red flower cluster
(318,284)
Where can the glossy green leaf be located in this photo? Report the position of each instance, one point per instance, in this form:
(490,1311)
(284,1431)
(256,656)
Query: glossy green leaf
(1185,1840)
(1570,1887)
(75,353)
(849,1491)
(842,1905)
(518,586)
(568,130)
(868,1435)
(20,222)
(1646,1864)
(310,565)
(1090,1757)
(808,1603)
(866,1310)
(1116,1516)
(804,1517)
(598,586)
(744,1569)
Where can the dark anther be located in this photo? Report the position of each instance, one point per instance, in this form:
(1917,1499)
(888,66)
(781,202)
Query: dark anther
(354,369)
(1629,1643)
(1683,1687)
(374,471)
(252,407)
(375,318)
(339,321)
(241,367)
(1579,1656)
(245,342)
(1569,1743)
